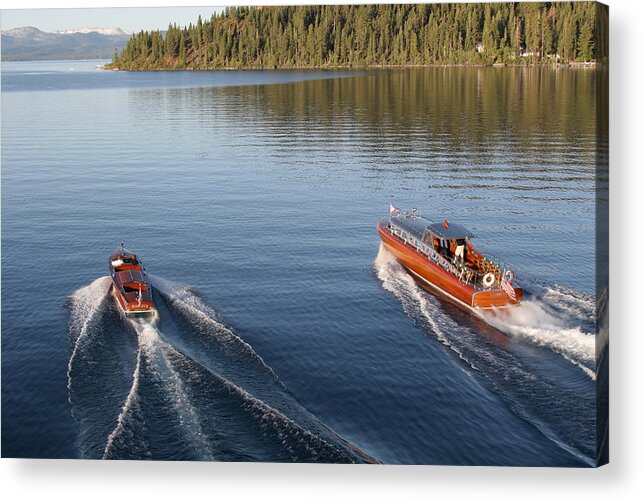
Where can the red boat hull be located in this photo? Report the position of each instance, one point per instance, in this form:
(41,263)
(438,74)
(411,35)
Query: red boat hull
(438,278)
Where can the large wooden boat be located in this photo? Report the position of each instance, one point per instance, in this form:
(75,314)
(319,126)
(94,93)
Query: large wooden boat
(440,255)
(130,286)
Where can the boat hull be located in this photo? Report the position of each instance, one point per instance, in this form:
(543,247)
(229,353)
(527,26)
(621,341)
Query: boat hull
(439,279)
(146,309)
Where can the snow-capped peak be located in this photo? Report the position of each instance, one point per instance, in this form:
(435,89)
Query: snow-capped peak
(101,31)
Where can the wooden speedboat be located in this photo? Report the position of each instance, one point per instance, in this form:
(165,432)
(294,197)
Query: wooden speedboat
(441,255)
(130,286)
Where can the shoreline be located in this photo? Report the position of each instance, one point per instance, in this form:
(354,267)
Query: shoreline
(570,65)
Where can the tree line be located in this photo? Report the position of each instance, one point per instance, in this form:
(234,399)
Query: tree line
(375,35)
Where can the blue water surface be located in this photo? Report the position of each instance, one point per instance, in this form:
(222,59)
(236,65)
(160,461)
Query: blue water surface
(284,332)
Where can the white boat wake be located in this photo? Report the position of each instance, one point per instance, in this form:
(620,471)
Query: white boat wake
(198,391)
(533,320)
(85,304)
(155,352)
(206,320)
(529,391)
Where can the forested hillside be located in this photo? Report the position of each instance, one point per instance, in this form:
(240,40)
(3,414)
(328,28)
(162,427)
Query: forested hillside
(373,35)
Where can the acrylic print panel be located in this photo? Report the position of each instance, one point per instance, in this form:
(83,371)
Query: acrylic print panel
(203,262)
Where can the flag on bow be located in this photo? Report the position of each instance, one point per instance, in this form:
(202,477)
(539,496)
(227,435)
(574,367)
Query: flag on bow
(393,210)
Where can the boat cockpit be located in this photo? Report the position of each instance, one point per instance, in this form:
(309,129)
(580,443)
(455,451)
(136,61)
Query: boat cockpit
(448,242)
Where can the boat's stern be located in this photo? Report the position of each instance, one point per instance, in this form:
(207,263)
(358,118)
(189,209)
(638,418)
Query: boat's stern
(135,304)
(145,317)
(138,312)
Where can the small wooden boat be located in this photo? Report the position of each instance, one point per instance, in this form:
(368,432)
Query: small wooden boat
(441,255)
(130,286)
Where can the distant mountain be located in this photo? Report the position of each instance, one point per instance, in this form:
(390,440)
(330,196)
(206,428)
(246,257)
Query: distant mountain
(102,31)
(31,44)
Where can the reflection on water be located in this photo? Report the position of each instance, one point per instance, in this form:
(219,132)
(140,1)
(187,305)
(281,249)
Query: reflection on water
(515,145)
(521,109)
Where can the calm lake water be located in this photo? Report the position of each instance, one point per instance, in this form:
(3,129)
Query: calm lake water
(285,333)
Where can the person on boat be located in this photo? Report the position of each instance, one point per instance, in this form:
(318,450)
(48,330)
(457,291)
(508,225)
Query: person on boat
(460,249)
(445,248)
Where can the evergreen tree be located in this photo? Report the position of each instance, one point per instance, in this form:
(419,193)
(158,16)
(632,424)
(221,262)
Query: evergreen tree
(567,39)
(546,35)
(182,51)
(585,40)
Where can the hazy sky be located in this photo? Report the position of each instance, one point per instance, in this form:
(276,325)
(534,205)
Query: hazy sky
(127,18)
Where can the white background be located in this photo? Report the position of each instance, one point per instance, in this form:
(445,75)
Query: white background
(97,480)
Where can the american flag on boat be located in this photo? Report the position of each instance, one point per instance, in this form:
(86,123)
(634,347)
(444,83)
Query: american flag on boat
(508,288)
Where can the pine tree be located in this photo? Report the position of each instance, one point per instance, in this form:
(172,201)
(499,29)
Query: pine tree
(182,51)
(546,35)
(566,45)
(585,41)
